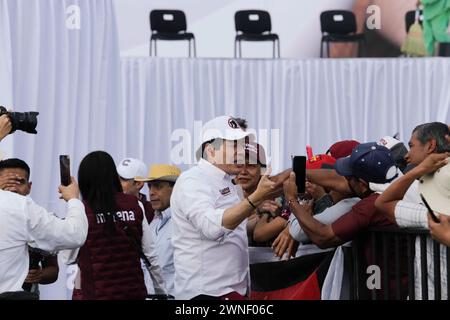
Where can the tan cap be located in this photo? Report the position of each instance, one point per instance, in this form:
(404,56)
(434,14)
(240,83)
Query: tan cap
(163,172)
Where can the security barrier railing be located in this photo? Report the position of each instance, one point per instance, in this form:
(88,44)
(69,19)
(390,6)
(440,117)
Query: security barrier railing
(392,252)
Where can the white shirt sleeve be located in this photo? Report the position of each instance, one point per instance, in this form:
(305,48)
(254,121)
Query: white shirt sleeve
(411,215)
(50,233)
(196,201)
(148,247)
(328,216)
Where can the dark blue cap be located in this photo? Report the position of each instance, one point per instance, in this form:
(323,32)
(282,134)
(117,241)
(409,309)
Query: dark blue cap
(370,162)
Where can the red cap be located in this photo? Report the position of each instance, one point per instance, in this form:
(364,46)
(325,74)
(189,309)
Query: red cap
(320,161)
(342,149)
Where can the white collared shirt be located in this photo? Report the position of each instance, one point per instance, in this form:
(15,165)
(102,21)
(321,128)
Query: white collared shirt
(162,249)
(23,223)
(209,259)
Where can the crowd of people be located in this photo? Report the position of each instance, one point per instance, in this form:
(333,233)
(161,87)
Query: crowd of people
(189,237)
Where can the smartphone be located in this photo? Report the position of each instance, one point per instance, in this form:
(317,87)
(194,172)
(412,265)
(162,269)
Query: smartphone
(64,169)
(430,211)
(299,168)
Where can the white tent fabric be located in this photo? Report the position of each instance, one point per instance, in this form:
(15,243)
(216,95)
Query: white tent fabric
(316,102)
(5,73)
(147,108)
(66,66)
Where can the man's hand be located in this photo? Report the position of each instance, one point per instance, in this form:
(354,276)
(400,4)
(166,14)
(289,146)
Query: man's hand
(285,243)
(307,206)
(290,188)
(432,163)
(314,190)
(5,126)
(71,191)
(34,276)
(9,181)
(273,207)
(265,188)
(440,231)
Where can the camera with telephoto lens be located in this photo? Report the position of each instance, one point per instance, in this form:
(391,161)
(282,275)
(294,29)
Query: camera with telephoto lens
(23,121)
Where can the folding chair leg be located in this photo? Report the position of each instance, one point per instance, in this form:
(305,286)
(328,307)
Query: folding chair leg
(150,48)
(321,49)
(240,49)
(195,48)
(278,44)
(235,48)
(273,48)
(328,49)
(361,44)
(156,49)
(189,45)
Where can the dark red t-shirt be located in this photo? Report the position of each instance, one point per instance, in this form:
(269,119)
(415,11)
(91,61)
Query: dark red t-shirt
(353,225)
(363,215)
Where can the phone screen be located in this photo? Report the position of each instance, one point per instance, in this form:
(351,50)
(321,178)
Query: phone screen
(64,169)
(299,168)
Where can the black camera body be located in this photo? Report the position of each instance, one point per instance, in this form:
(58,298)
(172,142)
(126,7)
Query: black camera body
(23,121)
(36,257)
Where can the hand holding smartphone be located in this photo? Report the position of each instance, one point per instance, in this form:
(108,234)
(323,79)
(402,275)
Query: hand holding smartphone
(64,169)
(430,211)
(299,168)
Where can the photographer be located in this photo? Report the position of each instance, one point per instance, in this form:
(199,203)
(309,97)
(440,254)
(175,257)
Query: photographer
(23,223)
(14,177)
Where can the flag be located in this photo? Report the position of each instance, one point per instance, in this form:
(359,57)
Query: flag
(296,279)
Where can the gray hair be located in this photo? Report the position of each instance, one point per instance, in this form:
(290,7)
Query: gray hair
(434,130)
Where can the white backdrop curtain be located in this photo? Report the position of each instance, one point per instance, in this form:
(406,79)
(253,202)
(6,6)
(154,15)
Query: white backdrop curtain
(69,75)
(90,99)
(316,102)
(5,72)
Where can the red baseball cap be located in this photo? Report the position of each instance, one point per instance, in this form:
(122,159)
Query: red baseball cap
(342,149)
(320,161)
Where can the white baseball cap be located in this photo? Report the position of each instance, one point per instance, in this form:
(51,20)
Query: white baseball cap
(223,127)
(130,168)
(435,188)
(388,142)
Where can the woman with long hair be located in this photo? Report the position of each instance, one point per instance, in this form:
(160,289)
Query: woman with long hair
(109,261)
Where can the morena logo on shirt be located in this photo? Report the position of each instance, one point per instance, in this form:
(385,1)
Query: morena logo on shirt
(225,191)
(122,215)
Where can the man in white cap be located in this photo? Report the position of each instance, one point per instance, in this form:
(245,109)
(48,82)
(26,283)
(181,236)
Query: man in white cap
(209,217)
(131,174)
(161,180)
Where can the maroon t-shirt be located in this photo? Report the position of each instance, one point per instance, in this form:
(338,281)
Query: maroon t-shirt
(354,224)
(363,215)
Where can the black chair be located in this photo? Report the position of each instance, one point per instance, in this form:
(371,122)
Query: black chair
(339,26)
(170,25)
(254,25)
(444,49)
(410,18)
